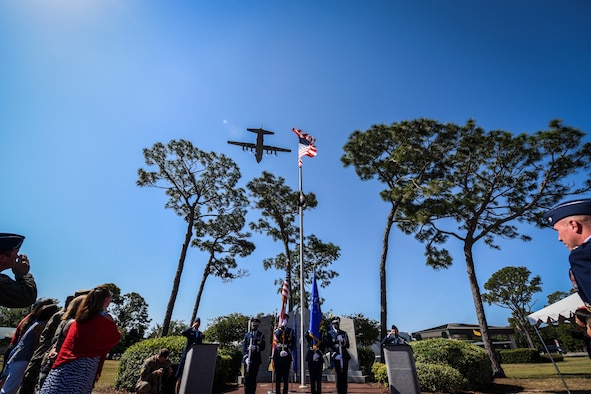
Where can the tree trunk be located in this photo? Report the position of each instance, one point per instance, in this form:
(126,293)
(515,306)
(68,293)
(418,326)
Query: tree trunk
(383,259)
(177,278)
(495,364)
(200,291)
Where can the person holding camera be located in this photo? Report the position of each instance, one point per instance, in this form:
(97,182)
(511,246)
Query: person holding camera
(21,291)
(155,371)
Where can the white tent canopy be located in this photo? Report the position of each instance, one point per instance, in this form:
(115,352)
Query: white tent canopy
(557,312)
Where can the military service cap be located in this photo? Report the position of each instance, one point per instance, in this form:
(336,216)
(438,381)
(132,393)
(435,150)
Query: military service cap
(568,208)
(11,241)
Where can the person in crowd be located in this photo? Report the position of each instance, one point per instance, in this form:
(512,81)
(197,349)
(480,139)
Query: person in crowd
(315,359)
(252,346)
(155,370)
(90,337)
(580,324)
(283,355)
(194,337)
(21,291)
(31,378)
(23,326)
(58,338)
(23,351)
(393,338)
(32,370)
(338,343)
(572,221)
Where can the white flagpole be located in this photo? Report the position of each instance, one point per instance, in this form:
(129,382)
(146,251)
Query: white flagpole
(302,356)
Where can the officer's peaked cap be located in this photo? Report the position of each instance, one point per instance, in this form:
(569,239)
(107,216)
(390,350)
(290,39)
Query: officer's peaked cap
(256,320)
(568,208)
(11,241)
(336,319)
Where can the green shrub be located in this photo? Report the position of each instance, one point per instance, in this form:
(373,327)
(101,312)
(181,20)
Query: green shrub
(226,370)
(380,373)
(471,361)
(227,367)
(555,356)
(366,358)
(131,361)
(519,356)
(440,378)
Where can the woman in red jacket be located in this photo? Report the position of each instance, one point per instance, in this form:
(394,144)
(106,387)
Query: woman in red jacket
(92,335)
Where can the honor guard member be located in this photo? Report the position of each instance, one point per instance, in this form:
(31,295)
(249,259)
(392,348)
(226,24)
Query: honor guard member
(252,346)
(21,291)
(155,371)
(283,355)
(338,343)
(572,221)
(315,359)
(194,337)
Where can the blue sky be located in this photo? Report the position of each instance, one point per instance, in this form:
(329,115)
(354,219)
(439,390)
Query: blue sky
(85,85)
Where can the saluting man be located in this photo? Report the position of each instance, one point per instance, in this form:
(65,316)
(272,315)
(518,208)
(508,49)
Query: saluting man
(572,221)
(194,337)
(21,291)
(338,343)
(283,355)
(252,346)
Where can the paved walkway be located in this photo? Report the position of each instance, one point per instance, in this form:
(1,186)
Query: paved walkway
(327,388)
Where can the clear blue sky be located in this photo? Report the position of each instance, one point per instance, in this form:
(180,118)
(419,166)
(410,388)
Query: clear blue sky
(86,85)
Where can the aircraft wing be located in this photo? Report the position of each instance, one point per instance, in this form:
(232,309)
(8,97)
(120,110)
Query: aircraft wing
(249,145)
(275,149)
(261,130)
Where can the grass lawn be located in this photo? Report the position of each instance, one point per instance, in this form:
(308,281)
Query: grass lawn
(539,378)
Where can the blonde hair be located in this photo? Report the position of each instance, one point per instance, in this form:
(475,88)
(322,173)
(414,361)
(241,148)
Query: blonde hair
(73,307)
(93,303)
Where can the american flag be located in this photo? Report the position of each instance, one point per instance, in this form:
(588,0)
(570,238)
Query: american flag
(284,298)
(306,145)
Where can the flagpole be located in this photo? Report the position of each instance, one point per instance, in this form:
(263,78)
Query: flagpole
(302,294)
(305,148)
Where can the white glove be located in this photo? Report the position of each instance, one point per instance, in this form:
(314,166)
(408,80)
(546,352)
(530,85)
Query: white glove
(283,353)
(316,356)
(340,338)
(338,357)
(252,347)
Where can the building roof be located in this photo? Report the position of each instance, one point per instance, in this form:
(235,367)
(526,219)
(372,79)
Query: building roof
(453,330)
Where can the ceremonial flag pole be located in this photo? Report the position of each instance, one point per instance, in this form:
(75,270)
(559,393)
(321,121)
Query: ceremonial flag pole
(306,147)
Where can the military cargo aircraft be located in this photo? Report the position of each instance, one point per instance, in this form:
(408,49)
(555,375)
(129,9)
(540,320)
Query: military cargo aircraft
(259,147)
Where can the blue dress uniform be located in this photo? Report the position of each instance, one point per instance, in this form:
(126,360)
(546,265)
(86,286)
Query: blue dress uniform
(252,346)
(580,255)
(315,360)
(580,263)
(283,357)
(338,343)
(194,337)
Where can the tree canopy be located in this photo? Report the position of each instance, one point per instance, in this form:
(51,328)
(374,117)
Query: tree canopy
(512,288)
(200,187)
(462,182)
(279,204)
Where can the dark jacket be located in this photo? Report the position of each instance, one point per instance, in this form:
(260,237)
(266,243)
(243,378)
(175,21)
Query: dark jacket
(258,340)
